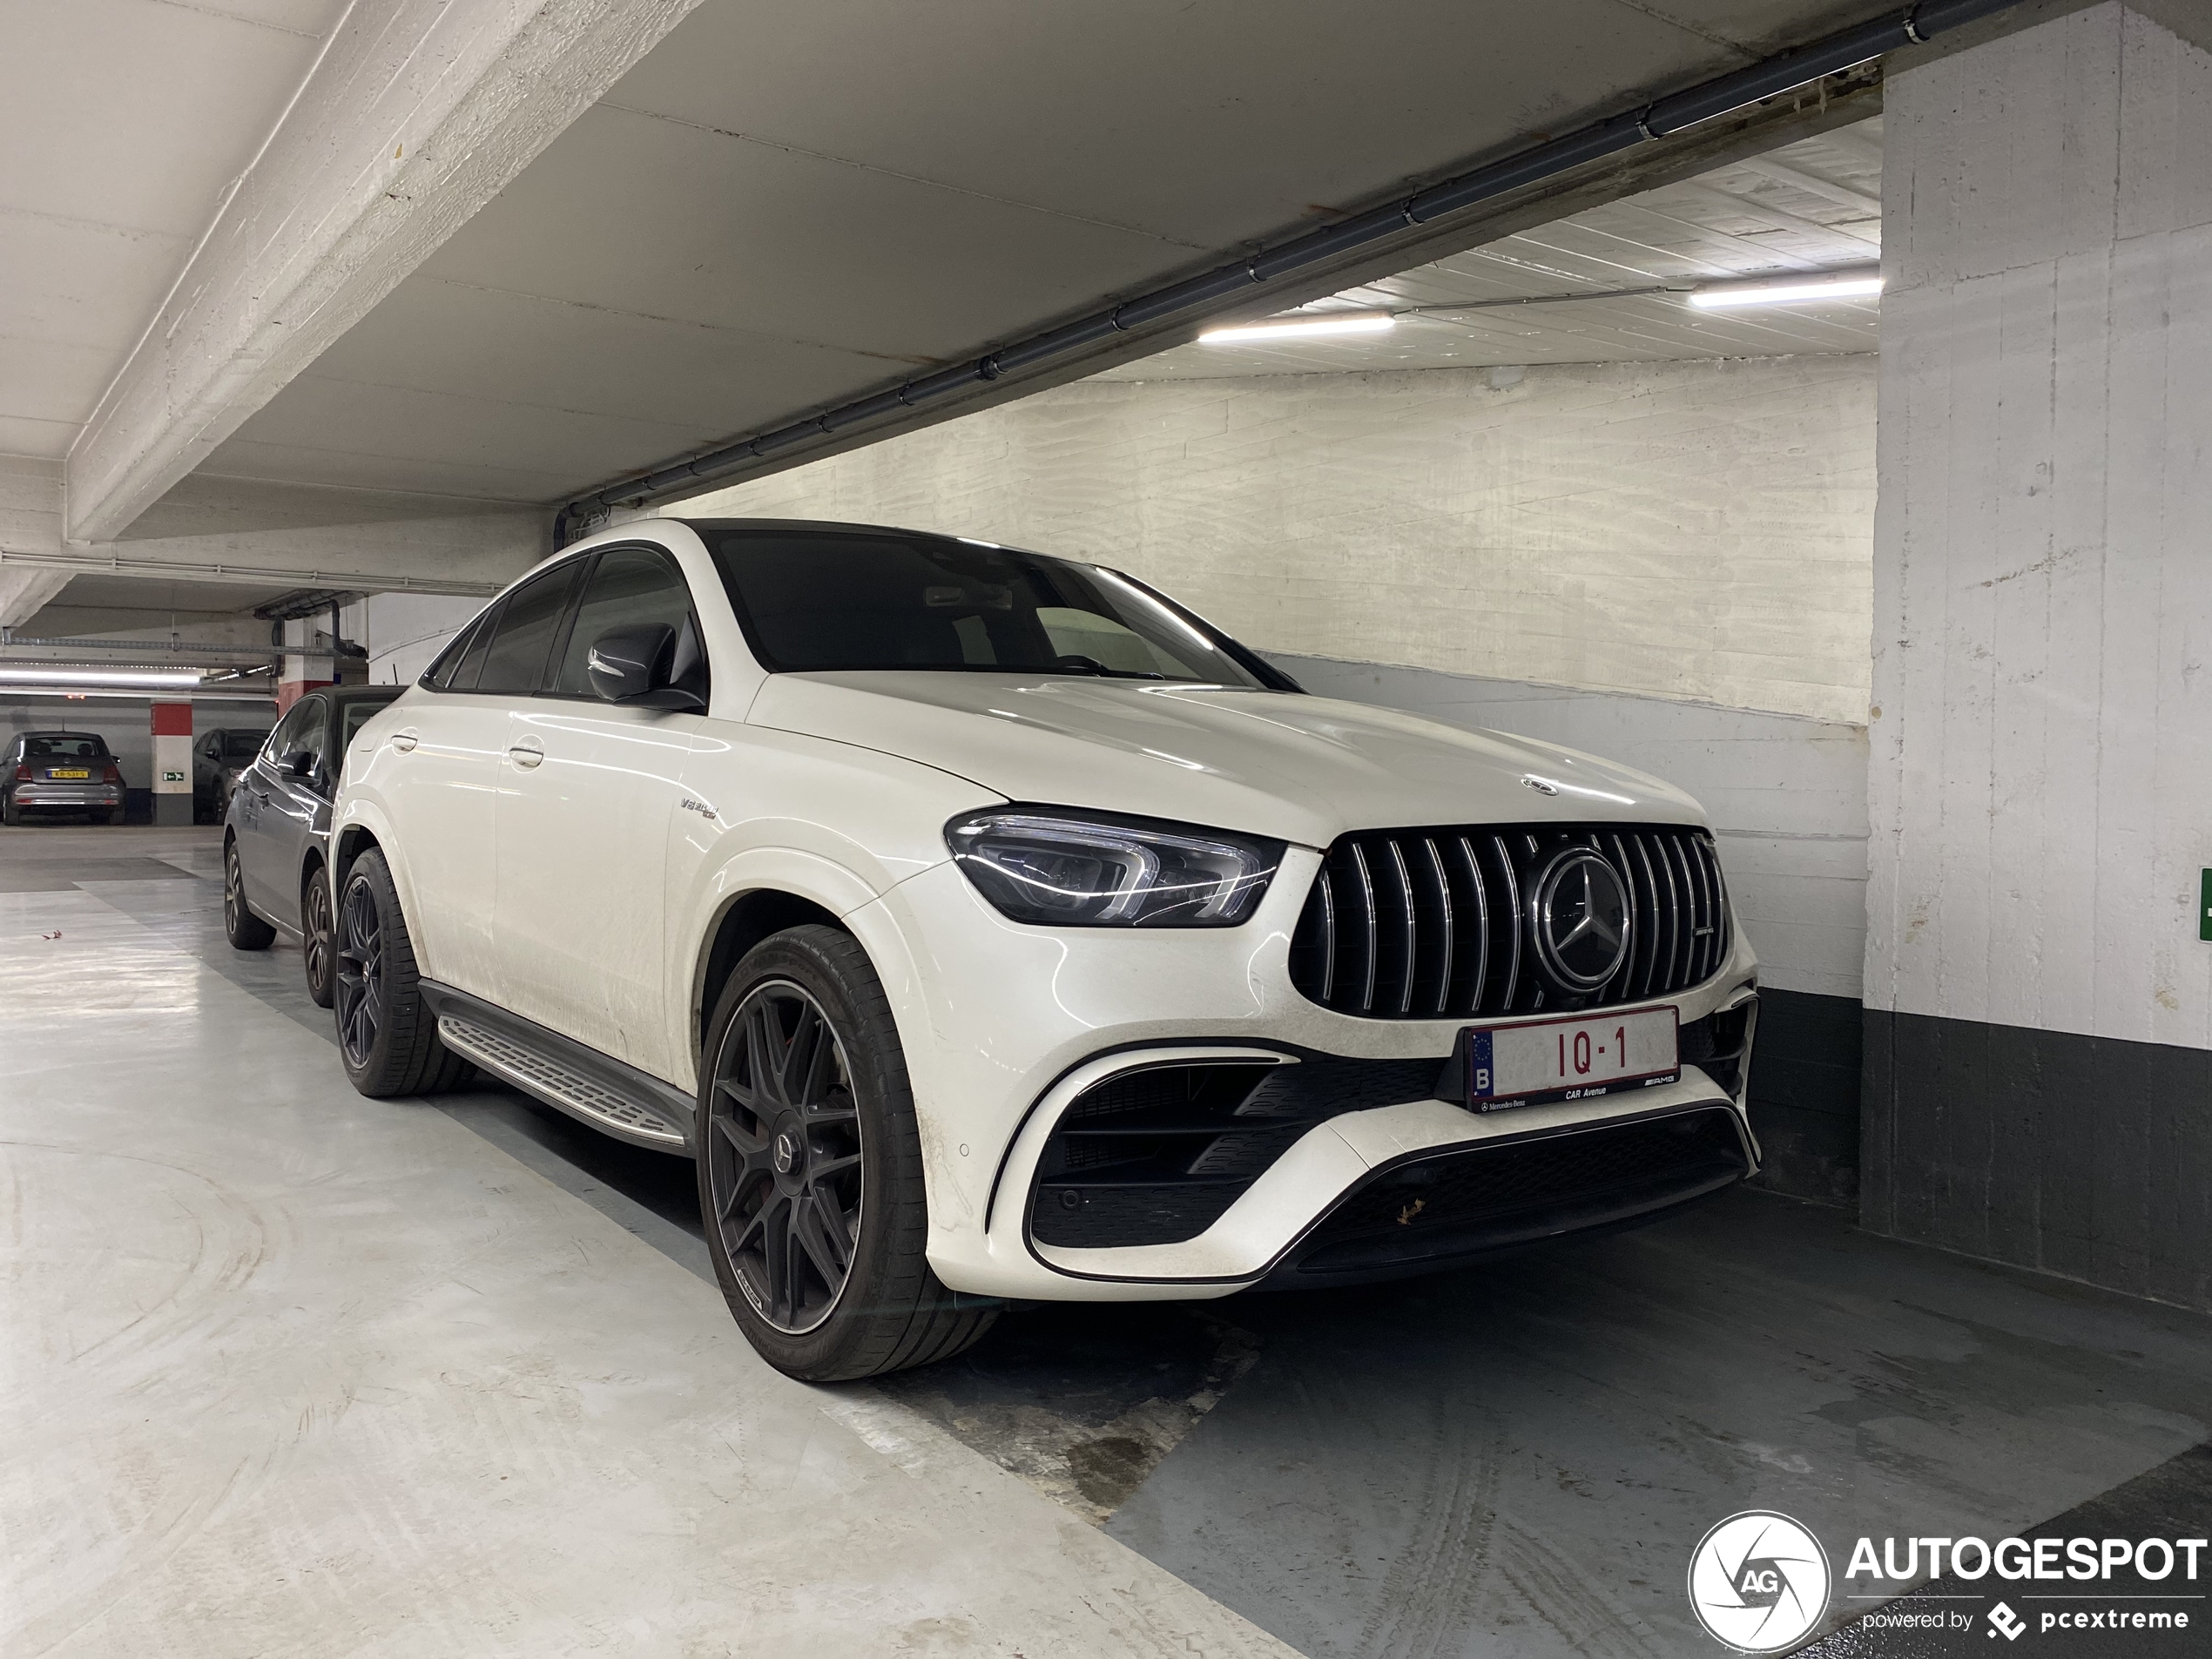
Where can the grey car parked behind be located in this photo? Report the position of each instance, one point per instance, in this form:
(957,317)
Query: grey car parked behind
(219,759)
(277,830)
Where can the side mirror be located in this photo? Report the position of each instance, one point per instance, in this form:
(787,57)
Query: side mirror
(298,764)
(634,666)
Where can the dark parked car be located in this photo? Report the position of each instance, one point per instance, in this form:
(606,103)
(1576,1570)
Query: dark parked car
(278,824)
(219,758)
(60,772)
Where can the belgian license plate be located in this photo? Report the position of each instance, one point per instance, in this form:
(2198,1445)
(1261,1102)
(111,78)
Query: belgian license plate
(57,774)
(1571,1059)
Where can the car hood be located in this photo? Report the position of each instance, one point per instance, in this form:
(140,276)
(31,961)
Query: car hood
(1304,769)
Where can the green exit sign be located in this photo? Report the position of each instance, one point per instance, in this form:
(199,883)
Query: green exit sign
(2204,907)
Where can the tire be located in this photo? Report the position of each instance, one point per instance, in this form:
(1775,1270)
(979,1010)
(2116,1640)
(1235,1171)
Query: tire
(318,940)
(241,927)
(115,818)
(11,814)
(387,1037)
(797,1153)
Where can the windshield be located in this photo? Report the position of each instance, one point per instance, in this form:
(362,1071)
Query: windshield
(243,746)
(820,599)
(64,745)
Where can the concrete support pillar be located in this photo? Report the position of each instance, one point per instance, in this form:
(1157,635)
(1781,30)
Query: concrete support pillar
(172,763)
(2039,1088)
(304,671)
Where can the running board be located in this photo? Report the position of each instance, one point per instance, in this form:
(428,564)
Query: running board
(594,1089)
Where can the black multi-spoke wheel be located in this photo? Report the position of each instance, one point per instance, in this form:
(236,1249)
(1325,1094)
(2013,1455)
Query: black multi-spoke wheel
(386,1034)
(810,1168)
(784,1162)
(319,942)
(241,927)
(360,999)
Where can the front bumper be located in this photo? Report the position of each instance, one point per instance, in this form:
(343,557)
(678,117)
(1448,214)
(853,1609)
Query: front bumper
(1005,1025)
(70,798)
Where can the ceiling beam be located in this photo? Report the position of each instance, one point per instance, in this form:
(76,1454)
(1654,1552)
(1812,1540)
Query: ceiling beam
(414,114)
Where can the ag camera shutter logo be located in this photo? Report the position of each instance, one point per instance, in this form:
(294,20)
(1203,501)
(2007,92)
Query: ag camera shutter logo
(1758,1581)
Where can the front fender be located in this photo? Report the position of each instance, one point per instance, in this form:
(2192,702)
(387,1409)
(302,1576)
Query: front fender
(351,818)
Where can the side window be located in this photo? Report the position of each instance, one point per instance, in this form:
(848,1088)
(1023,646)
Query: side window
(302,728)
(521,635)
(630,587)
(439,677)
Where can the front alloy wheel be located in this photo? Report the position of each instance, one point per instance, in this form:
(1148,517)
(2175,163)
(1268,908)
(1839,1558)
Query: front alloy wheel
(360,997)
(241,927)
(810,1168)
(784,1160)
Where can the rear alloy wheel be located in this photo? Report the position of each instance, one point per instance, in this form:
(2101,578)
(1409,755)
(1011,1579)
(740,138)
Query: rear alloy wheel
(241,927)
(810,1169)
(387,1037)
(318,941)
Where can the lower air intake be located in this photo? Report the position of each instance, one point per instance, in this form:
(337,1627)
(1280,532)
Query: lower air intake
(1431,1211)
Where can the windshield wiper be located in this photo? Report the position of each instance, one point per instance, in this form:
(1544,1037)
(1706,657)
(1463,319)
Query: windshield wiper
(1076,665)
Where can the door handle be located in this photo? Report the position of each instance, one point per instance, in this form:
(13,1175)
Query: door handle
(404,741)
(525,755)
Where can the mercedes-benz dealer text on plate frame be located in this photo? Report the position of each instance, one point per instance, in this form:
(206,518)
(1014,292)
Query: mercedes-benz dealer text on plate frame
(992,928)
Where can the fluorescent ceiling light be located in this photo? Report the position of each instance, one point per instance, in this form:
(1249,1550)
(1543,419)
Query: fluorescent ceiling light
(1785,293)
(1313,323)
(155,677)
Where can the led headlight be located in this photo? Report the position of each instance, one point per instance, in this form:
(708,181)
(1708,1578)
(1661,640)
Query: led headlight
(1067,868)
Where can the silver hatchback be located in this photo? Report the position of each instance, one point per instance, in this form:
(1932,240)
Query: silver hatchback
(60,772)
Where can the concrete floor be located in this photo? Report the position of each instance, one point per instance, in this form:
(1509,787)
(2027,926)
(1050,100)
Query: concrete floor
(293,1371)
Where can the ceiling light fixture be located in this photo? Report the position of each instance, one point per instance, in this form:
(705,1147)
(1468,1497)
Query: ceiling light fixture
(1844,285)
(1312,324)
(162,678)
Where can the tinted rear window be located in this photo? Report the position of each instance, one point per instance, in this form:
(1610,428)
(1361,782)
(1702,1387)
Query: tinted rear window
(64,745)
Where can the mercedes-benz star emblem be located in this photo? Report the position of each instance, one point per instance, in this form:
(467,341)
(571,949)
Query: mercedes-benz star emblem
(786,1152)
(1582,921)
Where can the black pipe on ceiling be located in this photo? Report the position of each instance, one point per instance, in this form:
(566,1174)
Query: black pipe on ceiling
(1799,67)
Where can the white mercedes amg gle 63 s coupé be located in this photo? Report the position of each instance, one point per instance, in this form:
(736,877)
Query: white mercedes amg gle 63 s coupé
(989,927)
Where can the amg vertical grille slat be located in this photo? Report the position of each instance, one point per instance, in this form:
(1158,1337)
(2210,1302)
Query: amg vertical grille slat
(1441,976)
(1700,961)
(1434,923)
(1321,891)
(1517,923)
(1473,984)
(1369,929)
(1648,913)
(1407,933)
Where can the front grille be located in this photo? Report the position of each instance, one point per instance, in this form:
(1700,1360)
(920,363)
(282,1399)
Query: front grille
(1155,1155)
(1463,1203)
(1430,924)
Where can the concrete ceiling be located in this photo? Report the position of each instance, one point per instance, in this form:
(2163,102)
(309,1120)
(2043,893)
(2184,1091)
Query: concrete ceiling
(781,208)
(1811,206)
(125,122)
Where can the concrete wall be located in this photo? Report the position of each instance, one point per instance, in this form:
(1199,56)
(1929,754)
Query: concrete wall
(2041,783)
(1788,799)
(1691,529)
(404,631)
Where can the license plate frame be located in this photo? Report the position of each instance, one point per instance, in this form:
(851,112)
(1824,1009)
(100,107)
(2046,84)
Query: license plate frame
(1479,1064)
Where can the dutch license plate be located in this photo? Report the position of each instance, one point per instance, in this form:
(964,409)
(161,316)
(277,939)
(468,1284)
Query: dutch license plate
(58,775)
(1571,1059)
